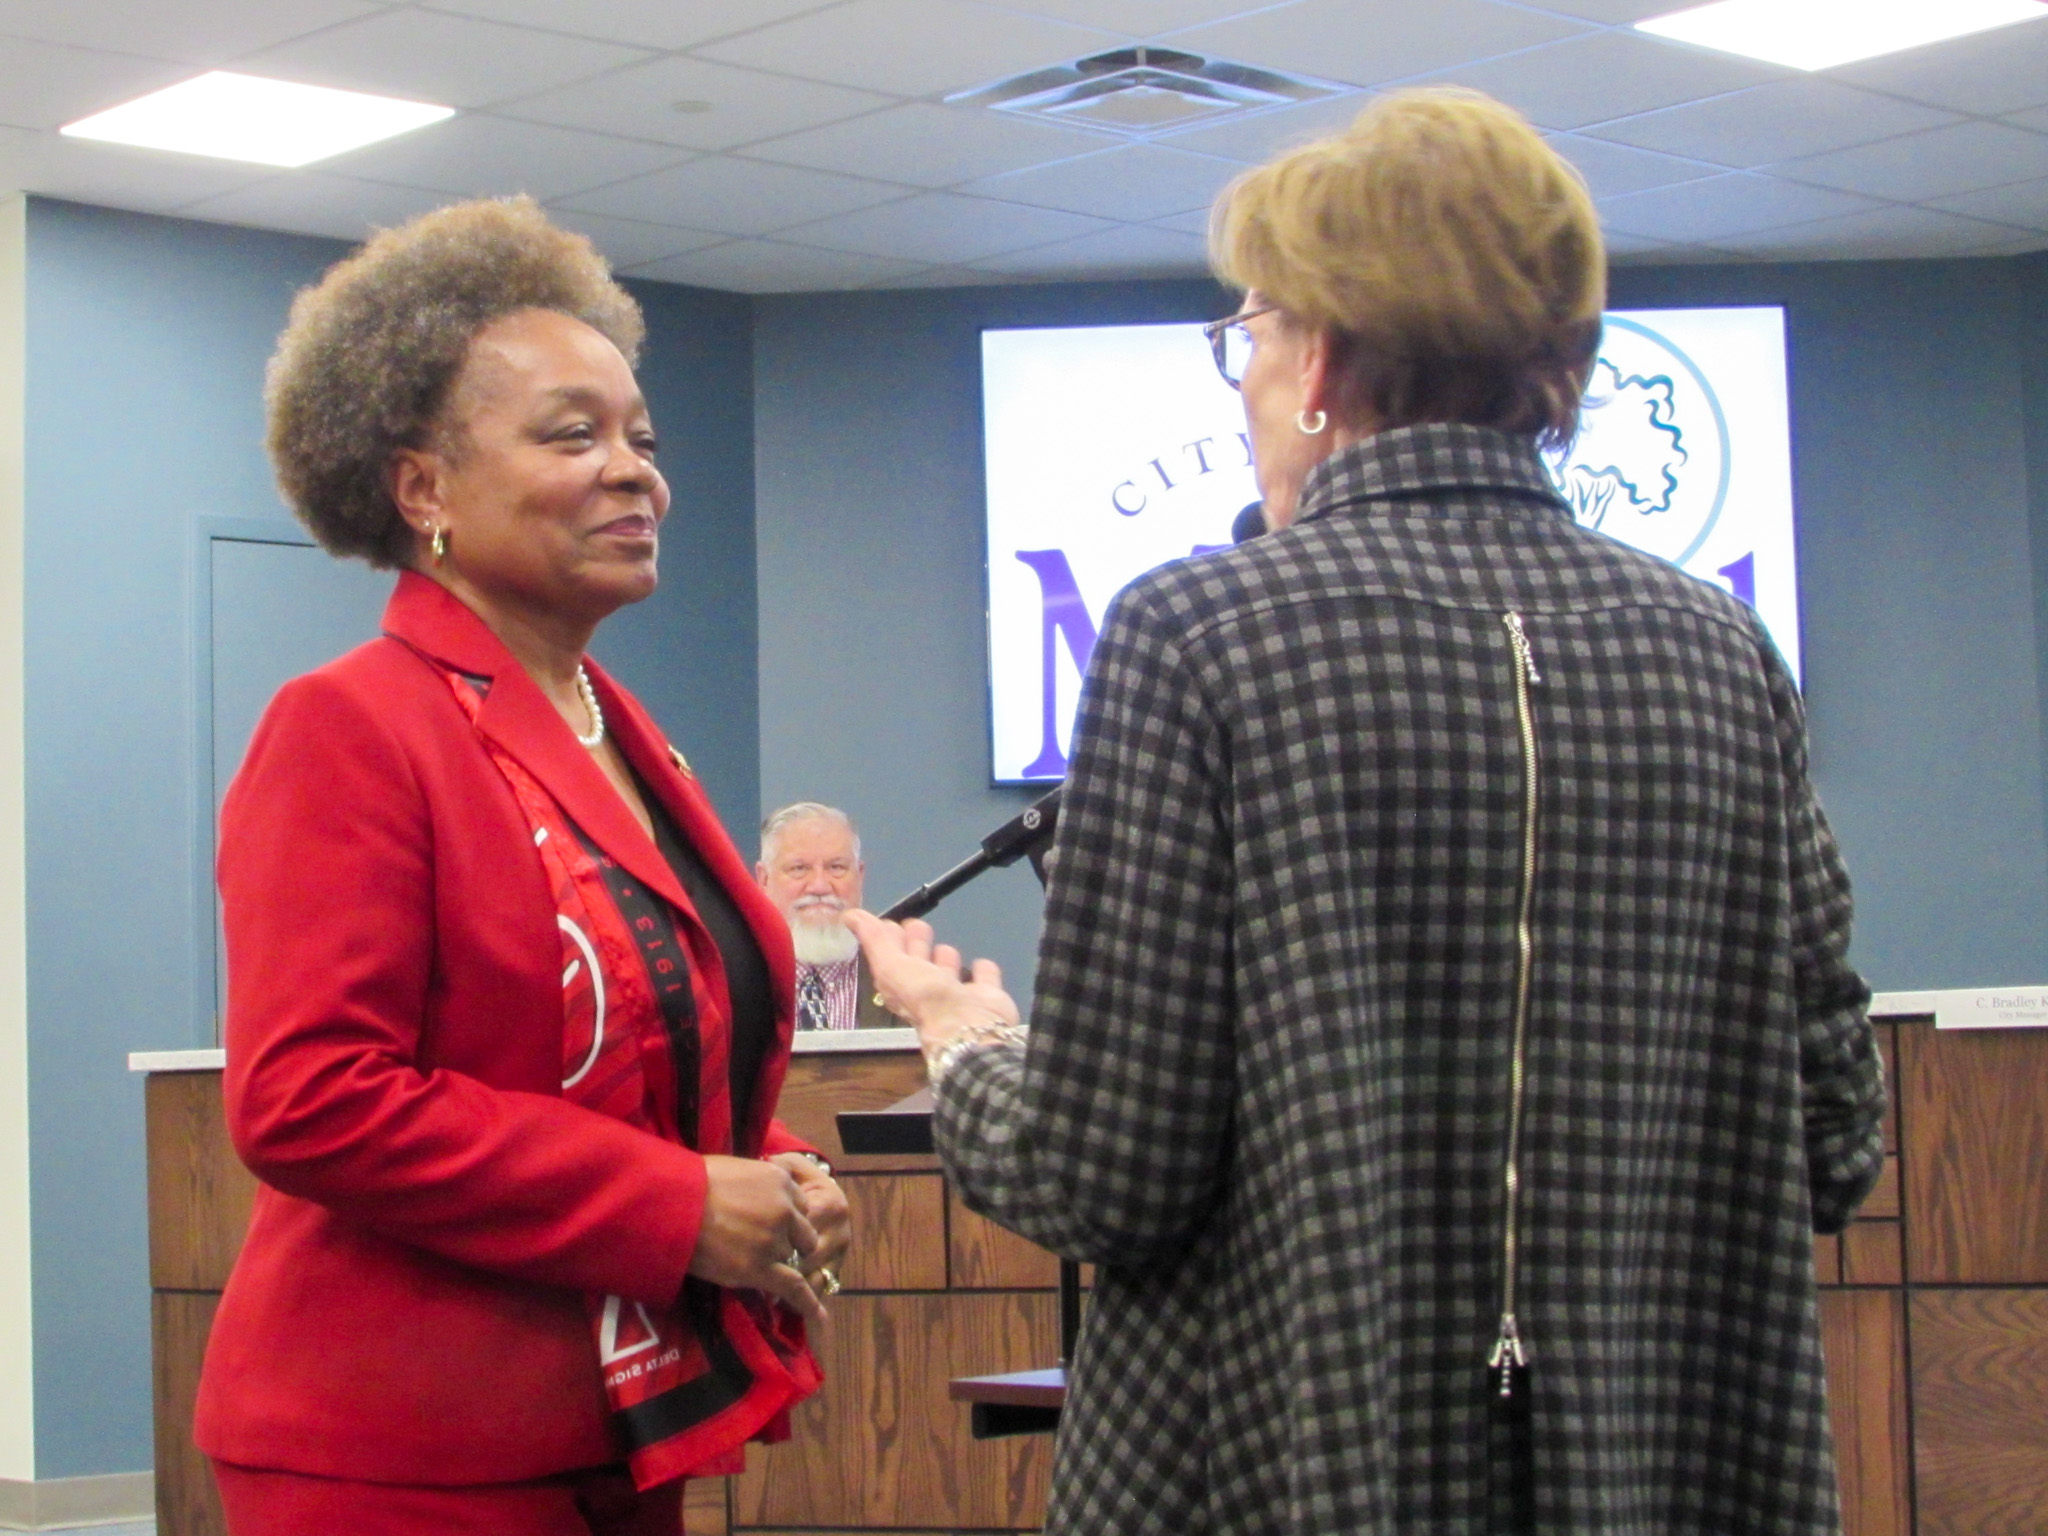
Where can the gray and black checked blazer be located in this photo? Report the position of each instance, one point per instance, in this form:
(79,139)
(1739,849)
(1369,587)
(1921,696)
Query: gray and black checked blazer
(1268,1073)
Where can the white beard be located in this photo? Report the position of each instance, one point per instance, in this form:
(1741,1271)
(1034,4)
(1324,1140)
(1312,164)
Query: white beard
(825,943)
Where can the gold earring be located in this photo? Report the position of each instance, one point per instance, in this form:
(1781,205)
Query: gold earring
(440,544)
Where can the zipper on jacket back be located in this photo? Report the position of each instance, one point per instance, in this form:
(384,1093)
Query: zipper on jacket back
(1509,1359)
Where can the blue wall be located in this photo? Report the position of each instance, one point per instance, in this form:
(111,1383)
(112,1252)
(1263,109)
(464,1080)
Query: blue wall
(147,340)
(874,689)
(1924,658)
(1919,593)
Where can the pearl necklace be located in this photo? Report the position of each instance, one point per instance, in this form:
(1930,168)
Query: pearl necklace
(583,687)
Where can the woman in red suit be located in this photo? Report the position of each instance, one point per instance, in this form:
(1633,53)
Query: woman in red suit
(507,1019)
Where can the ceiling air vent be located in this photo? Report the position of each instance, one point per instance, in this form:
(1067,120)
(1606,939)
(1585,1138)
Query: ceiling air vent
(1140,91)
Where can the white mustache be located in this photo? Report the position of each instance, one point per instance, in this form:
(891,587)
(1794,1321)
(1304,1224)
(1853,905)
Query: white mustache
(819,904)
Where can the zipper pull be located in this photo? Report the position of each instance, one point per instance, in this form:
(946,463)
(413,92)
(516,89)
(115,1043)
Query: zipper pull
(1508,1357)
(1520,641)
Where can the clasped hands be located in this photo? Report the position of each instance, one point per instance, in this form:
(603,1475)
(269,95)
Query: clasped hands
(777,1225)
(760,1214)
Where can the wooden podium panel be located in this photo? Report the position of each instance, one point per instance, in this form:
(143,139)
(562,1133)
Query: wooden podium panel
(883,1446)
(1974,1107)
(1980,1411)
(200,1195)
(1863,1334)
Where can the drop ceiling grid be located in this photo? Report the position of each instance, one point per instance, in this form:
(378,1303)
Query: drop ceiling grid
(825,158)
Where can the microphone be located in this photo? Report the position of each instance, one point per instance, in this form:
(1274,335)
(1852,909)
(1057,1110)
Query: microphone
(1248,524)
(1027,834)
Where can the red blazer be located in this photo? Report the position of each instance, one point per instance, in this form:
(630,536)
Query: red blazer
(408,1306)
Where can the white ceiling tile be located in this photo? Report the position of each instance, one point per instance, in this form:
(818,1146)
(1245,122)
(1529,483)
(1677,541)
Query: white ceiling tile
(662,24)
(1620,245)
(912,47)
(1138,18)
(1618,13)
(1678,256)
(1712,209)
(482,156)
(1612,169)
(735,197)
(1938,163)
(1780,121)
(1652,115)
(1264,134)
(1133,250)
(1988,73)
(639,102)
(941,226)
(2029,244)
(425,56)
(317,203)
(1134,181)
(947,277)
(1895,231)
(43,85)
(769,266)
(930,146)
(1608,75)
(632,242)
(2024,205)
(1370,42)
(1194,222)
(192,34)
(149,180)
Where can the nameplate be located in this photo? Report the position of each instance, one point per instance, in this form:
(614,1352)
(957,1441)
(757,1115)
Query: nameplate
(1991,1008)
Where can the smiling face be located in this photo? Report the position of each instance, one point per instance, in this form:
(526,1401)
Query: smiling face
(542,480)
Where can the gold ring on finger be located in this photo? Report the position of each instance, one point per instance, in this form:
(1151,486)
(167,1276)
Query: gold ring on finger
(832,1286)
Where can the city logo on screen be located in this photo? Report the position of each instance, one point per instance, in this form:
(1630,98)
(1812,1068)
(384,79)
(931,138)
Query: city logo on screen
(1683,451)
(1650,463)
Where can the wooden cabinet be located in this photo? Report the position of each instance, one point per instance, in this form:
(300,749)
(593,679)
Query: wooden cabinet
(1934,1314)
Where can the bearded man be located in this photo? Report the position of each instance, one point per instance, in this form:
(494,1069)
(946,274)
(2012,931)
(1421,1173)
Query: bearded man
(811,869)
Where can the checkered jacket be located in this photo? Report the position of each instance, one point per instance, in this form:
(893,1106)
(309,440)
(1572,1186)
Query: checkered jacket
(1268,1080)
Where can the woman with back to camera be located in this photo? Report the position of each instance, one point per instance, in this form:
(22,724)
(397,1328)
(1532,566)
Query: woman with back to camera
(1443,1036)
(507,1018)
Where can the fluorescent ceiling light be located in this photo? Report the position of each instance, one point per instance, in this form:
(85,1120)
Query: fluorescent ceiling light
(267,122)
(1819,34)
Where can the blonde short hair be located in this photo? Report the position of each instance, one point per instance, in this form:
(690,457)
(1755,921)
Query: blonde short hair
(366,362)
(1453,258)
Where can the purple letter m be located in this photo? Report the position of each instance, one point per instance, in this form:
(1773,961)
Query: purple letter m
(1066,616)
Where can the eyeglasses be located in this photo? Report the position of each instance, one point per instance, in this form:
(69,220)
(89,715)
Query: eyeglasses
(1231,344)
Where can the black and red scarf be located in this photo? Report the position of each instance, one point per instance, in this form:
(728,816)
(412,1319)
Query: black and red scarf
(646,1039)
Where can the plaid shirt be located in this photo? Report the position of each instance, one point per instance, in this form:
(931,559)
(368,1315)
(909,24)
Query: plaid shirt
(1268,1079)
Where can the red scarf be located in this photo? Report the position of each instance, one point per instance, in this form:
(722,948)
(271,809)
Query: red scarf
(646,1039)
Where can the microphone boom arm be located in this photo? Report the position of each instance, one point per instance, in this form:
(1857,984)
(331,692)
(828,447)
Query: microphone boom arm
(1025,835)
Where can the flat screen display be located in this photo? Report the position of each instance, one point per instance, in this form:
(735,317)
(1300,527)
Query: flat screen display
(1112,449)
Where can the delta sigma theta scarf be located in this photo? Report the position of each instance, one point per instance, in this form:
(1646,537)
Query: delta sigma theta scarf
(646,1035)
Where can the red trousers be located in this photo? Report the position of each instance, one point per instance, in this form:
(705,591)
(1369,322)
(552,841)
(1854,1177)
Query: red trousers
(600,1501)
